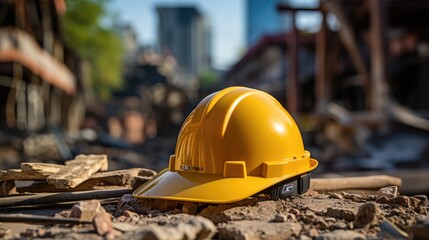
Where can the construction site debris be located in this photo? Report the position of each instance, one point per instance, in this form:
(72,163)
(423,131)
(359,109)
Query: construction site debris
(86,210)
(258,230)
(368,213)
(389,192)
(78,171)
(98,181)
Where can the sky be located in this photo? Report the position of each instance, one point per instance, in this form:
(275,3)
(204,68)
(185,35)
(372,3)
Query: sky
(227,23)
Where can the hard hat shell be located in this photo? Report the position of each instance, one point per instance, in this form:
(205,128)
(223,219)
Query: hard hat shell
(237,142)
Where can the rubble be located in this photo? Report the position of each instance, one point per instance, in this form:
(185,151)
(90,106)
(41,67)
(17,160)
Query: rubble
(258,230)
(389,192)
(368,213)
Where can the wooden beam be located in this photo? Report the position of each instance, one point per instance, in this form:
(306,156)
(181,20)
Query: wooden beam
(379,75)
(292,88)
(349,183)
(347,38)
(321,84)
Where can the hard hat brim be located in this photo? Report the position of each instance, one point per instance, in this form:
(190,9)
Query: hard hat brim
(206,188)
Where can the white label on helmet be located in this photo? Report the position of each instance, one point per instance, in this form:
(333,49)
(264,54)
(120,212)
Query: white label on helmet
(288,188)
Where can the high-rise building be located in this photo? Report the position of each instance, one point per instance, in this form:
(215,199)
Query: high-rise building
(262,18)
(185,33)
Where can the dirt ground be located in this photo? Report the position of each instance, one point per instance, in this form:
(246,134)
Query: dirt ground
(310,216)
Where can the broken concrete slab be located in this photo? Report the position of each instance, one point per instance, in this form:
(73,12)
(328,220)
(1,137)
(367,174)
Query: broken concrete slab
(18,174)
(98,181)
(258,230)
(47,168)
(78,171)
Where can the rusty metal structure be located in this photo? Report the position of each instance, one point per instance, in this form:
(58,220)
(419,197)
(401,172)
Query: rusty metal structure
(365,40)
(40,78)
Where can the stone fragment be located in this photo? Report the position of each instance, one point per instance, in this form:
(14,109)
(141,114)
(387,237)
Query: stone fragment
(367,214)
(313,233)
(125,227)
(402,201)
(132,216)
(342,235)
(7,188)
(103,223)
(86,210)
(175,227)
(389,192)
(335,195)
(346,214)
(383,200)
(279,218)
(5,232)
(258,230)
(190,208)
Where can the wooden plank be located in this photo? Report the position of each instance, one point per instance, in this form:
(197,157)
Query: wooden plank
(98,181)
(78,171)
(18,174)
(345,183)
(379,73)
(41,167)
(292,87)
(49,198)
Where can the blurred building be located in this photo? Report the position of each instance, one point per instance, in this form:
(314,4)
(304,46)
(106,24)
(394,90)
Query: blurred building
(262,19)
(184,32)
(41,84)
(130,42)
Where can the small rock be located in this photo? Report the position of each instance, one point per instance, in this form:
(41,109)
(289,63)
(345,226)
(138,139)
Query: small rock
(5,232)
(126,227)
(132,216)
(342,235)
(304,237)
(258,230)
(368,213)
(339,225)
(382,200)
(423,199)
(294,211)
(279,218)
(414,202)
(402,201)
(103,223)
(335,195)
(313,233)
(330,219)
(322,224)
(346,214)
(190,208)
(7,188)
(389,192)
(86,210)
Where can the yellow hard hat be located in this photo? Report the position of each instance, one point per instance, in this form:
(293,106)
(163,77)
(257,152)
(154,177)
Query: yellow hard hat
(237,142)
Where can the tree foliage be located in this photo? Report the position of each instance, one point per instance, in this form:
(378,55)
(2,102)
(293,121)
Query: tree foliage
(95,40)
